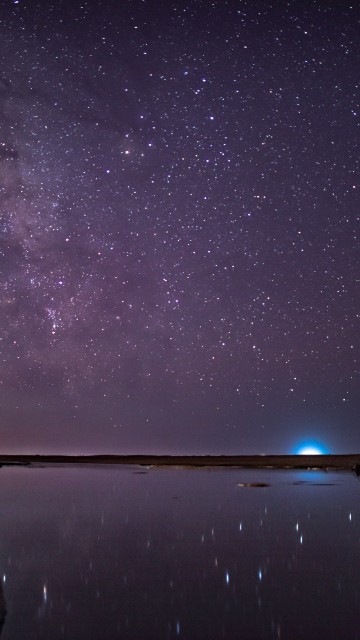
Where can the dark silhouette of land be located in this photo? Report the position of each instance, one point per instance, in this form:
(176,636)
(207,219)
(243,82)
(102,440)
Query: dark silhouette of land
(338,462)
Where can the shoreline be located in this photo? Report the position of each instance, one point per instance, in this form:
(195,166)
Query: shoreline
(349,462)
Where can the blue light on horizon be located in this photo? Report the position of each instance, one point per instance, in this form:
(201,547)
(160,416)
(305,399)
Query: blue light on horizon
(311,448)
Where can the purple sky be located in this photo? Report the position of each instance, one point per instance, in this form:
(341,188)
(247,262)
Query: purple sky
(179,261)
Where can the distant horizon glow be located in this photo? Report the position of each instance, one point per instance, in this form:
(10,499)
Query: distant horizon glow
(311,449)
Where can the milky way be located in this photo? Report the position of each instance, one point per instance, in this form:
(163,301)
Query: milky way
(179,259)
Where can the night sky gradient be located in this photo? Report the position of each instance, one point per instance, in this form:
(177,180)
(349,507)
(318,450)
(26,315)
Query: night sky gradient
(179,253)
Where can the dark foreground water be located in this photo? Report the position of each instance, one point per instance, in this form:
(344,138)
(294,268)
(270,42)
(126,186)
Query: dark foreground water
(103,553)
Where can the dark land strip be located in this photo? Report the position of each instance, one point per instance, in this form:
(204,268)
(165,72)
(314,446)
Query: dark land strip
(336,462)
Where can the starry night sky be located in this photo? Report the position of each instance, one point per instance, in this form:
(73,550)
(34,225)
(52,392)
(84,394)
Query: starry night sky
(179,261)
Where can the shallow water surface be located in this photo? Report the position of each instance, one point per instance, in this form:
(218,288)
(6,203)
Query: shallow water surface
(103,553)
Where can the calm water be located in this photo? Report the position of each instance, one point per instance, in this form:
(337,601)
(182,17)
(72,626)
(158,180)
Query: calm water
(103,553)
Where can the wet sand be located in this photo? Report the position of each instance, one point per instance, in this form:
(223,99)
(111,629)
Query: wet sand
(338,462)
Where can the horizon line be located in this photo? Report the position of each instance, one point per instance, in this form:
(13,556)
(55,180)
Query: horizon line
(348,461)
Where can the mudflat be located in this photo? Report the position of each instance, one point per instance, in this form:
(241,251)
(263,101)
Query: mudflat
(339,462)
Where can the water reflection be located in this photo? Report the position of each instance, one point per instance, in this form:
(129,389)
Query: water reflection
(2,607)
(109,553)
